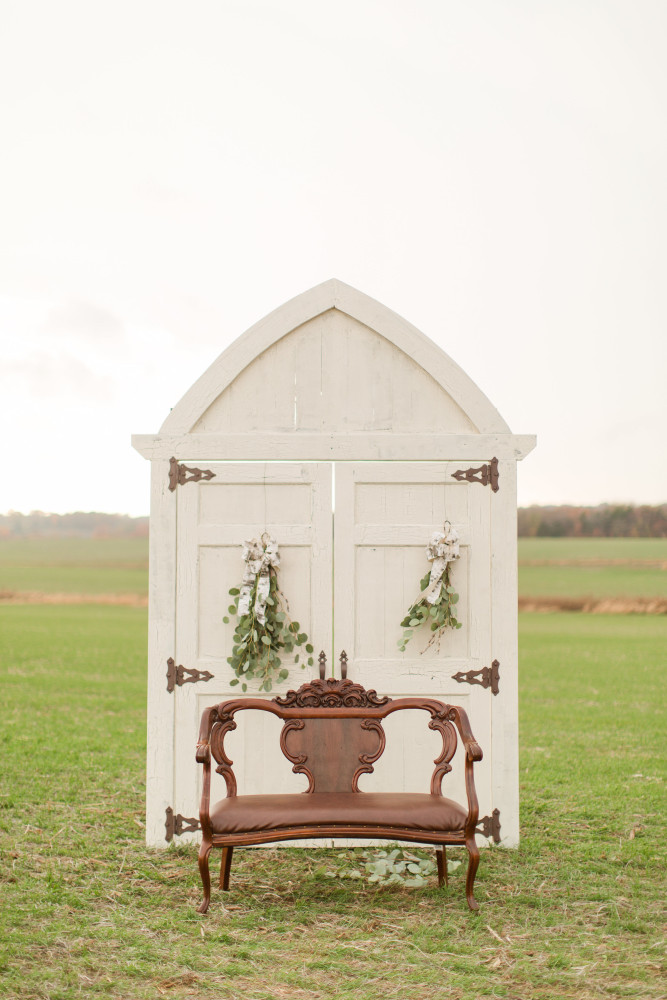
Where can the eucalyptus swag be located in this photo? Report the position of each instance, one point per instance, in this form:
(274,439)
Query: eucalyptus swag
(264,630)
(437,602)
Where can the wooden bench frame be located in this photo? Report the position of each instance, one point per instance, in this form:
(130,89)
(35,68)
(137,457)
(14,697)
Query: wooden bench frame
(310,752)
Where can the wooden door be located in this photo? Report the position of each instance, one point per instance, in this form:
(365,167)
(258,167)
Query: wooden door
(385,513)
(292,501)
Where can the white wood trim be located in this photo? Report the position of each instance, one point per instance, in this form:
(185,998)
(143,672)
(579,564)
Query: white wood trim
(229,534)
(297,446)
(334,294)
(504,754)
(161,638)
(411,534)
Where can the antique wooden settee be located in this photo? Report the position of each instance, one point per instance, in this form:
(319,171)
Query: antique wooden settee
(333,734)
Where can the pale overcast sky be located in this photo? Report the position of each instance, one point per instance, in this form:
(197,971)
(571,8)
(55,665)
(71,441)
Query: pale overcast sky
(493,171)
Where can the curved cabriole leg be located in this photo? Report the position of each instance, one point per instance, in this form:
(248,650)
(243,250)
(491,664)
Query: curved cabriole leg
(204,852)
(473,862)
(225,867)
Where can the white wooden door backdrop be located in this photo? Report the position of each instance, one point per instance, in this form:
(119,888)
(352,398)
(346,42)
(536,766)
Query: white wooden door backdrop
(332,387)
(350,568)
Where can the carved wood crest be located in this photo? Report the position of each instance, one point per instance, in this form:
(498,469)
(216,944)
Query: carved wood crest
(331,693)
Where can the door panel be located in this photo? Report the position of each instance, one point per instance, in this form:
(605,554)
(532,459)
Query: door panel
(292,501)
(385,514)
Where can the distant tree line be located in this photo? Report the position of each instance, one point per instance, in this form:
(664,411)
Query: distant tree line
(81,524)
(605,521)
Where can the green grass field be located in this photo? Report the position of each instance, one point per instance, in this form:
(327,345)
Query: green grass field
(548,567)
(88,911)
(74,565)
(593,567)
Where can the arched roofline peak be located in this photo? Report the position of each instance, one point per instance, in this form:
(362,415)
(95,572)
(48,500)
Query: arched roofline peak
(334,294)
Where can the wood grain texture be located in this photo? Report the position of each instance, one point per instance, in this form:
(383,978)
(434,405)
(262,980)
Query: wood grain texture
(332,297)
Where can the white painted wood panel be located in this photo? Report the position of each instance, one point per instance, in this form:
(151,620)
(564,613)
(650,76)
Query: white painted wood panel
(384,516)
(335,374)
(292,501)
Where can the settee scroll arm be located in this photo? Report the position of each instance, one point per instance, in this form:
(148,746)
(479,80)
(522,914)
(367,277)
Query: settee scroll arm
(473,754)
(472,748)
(216,722)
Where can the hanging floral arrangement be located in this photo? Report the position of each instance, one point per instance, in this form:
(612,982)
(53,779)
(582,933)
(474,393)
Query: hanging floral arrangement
(436,606)
(264,630)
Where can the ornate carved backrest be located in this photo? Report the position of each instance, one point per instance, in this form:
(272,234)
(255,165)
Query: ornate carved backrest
(333,733)
(332,750)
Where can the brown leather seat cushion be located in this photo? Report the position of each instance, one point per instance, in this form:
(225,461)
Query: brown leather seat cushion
(407,810)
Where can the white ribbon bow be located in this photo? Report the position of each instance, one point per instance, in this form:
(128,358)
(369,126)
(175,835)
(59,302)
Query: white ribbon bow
(441,550)
(259,556)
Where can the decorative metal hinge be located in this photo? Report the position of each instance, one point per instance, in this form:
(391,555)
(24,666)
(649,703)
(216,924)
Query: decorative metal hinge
(178,474)
(176,675)
(489,826)
(176,825)
(488,474)
(486,677)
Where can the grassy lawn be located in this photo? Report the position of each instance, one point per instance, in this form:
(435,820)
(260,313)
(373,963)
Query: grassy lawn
(548,567)
(577,911)
(74,565)
(593,567)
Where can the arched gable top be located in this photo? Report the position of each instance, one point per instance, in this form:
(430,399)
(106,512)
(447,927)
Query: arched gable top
(334,360)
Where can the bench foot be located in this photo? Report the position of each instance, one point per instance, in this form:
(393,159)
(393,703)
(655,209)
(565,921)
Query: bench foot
(441,861)
(473,862)
(225,867)
(204,852)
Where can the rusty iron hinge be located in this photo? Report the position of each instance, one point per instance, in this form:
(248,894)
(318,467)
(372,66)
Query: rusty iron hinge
(178,474)
(176,675)
(175,825)
(486,677)
(488,475)
(489,826)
